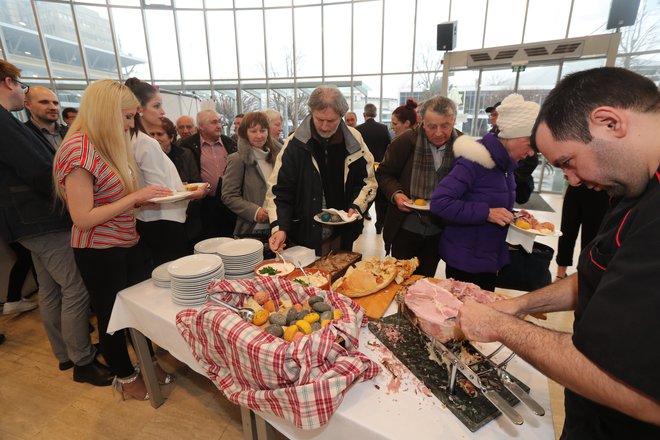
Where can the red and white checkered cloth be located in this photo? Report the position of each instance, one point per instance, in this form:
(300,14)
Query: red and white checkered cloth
(302,381)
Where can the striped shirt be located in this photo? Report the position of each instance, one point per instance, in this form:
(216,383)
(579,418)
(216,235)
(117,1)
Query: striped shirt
(120,231)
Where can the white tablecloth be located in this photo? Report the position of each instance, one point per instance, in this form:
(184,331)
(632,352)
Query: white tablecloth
(369,410)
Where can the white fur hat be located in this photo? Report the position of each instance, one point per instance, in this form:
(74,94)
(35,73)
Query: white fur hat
(516,117)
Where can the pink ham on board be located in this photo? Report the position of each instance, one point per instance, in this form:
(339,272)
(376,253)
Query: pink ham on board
(463,291)
(434,302)
(432,306)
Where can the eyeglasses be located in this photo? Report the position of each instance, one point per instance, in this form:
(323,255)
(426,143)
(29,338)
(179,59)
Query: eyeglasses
(24,86)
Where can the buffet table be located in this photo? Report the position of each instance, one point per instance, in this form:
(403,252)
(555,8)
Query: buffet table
(376,409)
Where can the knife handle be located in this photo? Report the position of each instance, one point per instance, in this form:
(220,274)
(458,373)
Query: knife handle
(523,396)
(503,406)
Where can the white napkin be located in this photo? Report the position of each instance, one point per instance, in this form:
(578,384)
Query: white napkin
(299,254)
(525,239)
(343,214)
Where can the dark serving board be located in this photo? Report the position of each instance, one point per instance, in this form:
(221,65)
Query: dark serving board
(473,412)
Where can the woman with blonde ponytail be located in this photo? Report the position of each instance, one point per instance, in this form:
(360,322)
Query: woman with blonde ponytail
(95,175)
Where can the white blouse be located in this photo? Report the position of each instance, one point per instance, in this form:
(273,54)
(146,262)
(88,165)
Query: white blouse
(155,168)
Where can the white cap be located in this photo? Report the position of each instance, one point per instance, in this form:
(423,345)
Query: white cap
(516,117)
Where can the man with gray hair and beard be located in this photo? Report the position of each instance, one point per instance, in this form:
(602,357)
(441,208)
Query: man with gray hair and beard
(326,164)
(415,162)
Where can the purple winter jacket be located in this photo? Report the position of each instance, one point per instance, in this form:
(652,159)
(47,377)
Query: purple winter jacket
(482,178)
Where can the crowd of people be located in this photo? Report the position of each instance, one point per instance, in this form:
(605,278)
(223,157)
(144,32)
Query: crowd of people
(77,201)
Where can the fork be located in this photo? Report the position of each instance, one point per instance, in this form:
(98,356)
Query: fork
(281,257)
(303,271)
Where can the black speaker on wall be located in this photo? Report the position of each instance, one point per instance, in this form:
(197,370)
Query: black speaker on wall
(447,35)
(622,13)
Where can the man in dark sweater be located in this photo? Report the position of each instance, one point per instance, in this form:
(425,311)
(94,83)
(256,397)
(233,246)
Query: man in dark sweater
(44,108)
(377,138)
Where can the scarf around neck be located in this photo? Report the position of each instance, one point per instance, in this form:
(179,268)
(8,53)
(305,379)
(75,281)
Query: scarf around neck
(425,177)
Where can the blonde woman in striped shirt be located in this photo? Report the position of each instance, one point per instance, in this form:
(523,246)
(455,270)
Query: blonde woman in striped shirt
(95,174)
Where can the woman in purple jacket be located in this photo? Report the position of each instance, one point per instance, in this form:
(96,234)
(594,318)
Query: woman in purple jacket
(476,198)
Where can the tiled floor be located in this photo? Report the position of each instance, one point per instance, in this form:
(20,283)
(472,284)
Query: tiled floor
(39,402)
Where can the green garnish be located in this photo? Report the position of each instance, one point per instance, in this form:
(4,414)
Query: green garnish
(299,281)
(268,270)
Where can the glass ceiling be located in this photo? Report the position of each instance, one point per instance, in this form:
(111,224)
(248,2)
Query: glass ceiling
(250,54)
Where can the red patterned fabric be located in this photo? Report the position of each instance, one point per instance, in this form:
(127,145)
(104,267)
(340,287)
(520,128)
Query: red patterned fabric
(302,381)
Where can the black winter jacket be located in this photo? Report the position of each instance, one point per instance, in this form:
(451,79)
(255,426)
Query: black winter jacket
(27,202)
(295,190)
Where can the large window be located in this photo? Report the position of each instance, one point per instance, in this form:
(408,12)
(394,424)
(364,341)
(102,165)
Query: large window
(249,54)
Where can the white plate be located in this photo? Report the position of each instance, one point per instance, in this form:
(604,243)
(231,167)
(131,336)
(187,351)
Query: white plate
(317,217)
(536,232)
(243,258)
(426,207)
(195,286)
(194,266)
(188,295)
(207,276)
(189,287)
(160,273)
(178,195)
(210,246)
(240,247)
(196,302)
(229,261)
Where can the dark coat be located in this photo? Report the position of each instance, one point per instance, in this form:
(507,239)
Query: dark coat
(376,136)
(524,179)
(295,193)
(27,201)
(185,163)
(62,129)
(394,175)
(482,178)
(193,143)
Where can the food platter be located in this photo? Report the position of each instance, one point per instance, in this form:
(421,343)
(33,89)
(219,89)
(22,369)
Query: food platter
(276,268)
(189,187)
(178,195)
(536,232)
(317,217)
(426,207)
(318,278)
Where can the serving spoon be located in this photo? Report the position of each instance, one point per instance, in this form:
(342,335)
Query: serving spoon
(245,313)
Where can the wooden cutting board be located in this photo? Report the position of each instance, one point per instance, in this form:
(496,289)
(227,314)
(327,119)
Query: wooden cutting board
(376,303)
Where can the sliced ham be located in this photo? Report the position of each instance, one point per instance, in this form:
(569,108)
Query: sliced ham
(463,291)
(432,306)
(433,302)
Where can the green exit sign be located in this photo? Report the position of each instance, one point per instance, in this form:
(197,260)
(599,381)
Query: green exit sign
(518,68)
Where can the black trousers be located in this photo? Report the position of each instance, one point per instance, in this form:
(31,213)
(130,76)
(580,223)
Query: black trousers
(582,207)
(163,241)
(105,272)
(19,271)
(381,210)
(407,245)
(485,280)
(217,219)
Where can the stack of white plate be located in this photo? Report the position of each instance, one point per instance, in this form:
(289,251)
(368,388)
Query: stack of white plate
(190,277)
(160,276)
(240,257)
(210,246)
